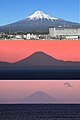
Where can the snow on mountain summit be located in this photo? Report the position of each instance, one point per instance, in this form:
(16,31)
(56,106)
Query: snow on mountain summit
(41,15)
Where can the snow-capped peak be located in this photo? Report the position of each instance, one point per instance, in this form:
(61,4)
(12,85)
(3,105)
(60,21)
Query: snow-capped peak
(41,15)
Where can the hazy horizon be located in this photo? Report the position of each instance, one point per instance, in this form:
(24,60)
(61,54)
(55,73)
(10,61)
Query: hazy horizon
(12,91)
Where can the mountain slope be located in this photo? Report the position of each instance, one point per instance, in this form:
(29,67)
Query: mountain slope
(42,59)
(40,97)
(37,59)
(37,22)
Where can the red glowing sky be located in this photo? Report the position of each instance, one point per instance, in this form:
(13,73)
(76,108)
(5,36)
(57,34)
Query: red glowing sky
(14,50)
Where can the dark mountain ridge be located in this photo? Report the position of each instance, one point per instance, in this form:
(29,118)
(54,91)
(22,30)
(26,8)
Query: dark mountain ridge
(40,59)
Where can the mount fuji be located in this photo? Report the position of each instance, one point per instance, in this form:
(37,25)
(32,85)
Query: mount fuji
(40,59)
(40,97)
(40,66)
(38,22)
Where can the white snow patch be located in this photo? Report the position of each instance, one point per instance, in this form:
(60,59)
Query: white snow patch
(41,15)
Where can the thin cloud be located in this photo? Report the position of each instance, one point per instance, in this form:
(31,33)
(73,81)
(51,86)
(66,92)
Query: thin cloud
(67,84)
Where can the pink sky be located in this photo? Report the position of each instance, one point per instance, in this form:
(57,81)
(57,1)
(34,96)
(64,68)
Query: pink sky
(18,89)
(15,50)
